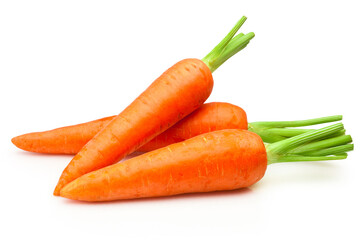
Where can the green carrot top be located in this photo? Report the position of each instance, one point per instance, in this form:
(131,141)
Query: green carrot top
(315,145)
(228,47)
(274,131)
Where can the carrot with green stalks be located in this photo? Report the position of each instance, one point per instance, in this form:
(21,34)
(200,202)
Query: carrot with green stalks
(207,118)
(221,160)
(176,93)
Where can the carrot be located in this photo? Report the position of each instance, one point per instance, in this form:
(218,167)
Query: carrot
(209,117)
(176,93)
(69,140)
(221,160)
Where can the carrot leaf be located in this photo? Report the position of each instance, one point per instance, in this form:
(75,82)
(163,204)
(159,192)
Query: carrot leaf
(291,143)
(228,47)
(298,123)
(297,158)
(327,143)
(332,150)
(274,131)
(321,145)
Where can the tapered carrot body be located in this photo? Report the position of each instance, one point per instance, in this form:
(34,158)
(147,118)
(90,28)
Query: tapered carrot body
(69,140)
(64,140)
(220,160)
(176,93)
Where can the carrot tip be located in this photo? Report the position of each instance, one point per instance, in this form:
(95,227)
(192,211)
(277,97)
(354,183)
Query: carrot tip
(21,142)
(16,141)
(57,190)
(68,192)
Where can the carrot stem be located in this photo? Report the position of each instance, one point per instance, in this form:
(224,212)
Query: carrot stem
(274,131)
(234,47)
(320,145)
(295,158)
(332,151)
(278,134)
(298,123)
(287,132)
(268,136)
(335,134)
(221,45)
(228,47)
(314,145)
(291,143)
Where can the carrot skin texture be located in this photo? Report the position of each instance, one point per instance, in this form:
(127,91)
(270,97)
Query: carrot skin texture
(65,140)
(215,161)
(176,93)
(208,118)
(69,140)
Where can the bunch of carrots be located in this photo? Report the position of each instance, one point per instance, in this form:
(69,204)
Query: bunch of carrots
(190,146)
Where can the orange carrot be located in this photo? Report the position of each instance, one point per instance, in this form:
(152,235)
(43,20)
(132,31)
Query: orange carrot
(176,93)
(155,110)
(69,140)
(221,160)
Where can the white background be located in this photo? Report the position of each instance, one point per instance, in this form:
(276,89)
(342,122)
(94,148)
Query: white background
(66,62)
